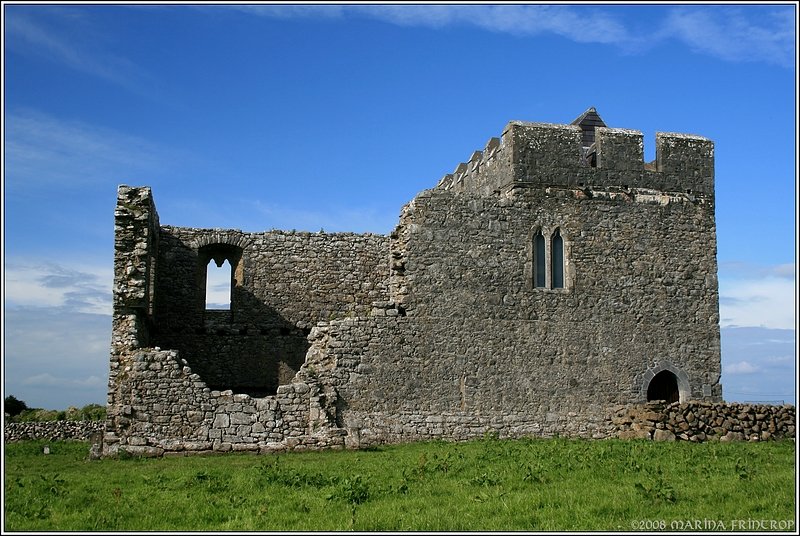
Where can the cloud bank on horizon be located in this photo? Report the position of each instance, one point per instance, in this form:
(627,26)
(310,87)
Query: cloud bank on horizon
(72,151)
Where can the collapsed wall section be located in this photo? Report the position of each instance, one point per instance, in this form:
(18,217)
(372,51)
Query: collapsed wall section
(163,408)
(283,283)
(228,380)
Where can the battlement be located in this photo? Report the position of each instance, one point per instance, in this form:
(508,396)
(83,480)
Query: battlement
(585,155)
(485,171)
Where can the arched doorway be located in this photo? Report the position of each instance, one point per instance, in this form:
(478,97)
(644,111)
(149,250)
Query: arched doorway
(663,386)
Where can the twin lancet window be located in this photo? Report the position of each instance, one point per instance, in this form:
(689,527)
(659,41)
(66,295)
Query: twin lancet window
(554,276)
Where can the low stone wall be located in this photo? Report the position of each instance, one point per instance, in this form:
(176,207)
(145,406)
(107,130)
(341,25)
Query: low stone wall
(692,421)
(705,421)
(52,430)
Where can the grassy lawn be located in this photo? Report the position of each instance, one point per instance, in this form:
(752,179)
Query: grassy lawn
(488,485)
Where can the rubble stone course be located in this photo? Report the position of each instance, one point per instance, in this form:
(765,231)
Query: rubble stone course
(693,421)
(53,430)
(705,421)
(439,329)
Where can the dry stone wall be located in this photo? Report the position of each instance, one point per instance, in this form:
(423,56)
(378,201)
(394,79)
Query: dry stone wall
(459,322)
(705,421)
(53,430)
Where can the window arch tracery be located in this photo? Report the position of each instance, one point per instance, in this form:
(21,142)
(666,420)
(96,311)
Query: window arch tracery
(548,263)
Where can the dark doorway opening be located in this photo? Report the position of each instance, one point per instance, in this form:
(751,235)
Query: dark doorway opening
(663,386)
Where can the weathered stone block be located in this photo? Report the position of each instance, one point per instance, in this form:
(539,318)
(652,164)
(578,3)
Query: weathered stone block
(239,418)
(732,436)
(222,420)
(634,434)
(663,435)
(142,451)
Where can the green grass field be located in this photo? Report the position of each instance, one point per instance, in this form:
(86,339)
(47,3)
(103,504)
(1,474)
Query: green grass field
(488,484)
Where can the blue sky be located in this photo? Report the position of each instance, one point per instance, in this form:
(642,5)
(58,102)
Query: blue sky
(332,117)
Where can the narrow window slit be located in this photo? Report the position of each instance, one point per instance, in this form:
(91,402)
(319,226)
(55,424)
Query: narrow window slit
(539,260)
(557,259)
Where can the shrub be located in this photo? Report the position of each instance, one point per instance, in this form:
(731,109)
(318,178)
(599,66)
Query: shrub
(13,406)
(37,414)
(92,412)
(89,412)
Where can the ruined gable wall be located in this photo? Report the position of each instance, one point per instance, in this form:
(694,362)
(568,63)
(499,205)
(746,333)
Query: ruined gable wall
(135,251)
(285,283)
(157,402)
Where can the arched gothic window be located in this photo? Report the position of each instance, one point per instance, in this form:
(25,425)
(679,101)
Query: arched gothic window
(219,273)
(557,259)
(546,267)
(538,260)
(218,285)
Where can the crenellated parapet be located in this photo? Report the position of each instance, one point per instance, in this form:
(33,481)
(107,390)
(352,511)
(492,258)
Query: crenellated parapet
(685,161)
(619,150)
(486,170)
(543,154)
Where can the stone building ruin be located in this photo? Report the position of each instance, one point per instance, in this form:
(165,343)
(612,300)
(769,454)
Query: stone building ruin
(548,281)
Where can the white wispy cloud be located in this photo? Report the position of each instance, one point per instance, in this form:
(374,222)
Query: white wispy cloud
(287,11)
(731,33)
(758,364)
(746,270)
(42,150)
(59,40)
(587,25)
(54,357)
(779,359)
(741,367)
(757,296)
(46,284)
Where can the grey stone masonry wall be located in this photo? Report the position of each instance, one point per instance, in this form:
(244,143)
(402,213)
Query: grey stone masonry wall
(284,283)
(165,408)
(535,291)
(285,278)
(136,234)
